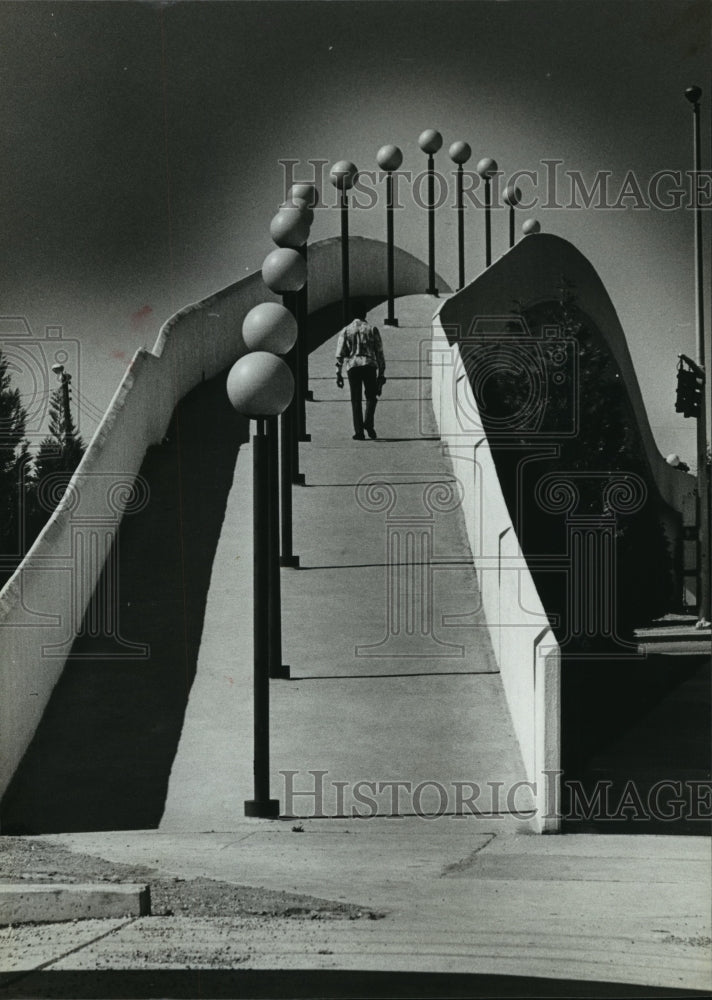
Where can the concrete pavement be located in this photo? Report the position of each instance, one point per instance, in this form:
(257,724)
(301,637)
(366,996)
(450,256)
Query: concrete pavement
(458,896)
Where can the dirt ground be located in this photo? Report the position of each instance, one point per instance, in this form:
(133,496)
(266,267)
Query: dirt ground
(30,860)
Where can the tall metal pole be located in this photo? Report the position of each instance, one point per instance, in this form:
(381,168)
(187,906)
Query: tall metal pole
(390,318)
(460,153)
(460,229)
(487,169)
(345,294)
(432,287)
(277,669)
(693,95)
(488,221)
(289,300)
(430,142)
(511,226)
(287,557)
(262,805)
(303,324)
(389,158)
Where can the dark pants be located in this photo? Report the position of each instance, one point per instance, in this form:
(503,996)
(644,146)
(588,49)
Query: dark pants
(363,376)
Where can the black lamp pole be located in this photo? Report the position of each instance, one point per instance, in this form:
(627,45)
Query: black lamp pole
(487,168)
(277,669)
(290,427)
(389,158)
(261,805)
(460,153)
(345,291)
(693,95)
(430,142)
(512,197)
(342,176)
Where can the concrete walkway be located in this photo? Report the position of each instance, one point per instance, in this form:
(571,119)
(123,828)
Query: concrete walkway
(459,896)
(393,676)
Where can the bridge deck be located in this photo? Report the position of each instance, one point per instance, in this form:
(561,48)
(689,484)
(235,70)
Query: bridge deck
(385,686)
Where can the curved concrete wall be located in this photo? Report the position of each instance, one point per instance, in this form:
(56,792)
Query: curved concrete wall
(525,648)
(530,273)
(42,606)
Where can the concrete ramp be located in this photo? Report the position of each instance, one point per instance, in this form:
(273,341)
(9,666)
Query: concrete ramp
(393,676)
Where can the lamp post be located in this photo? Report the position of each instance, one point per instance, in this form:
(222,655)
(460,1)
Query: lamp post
(342,176)
(531,227)
(693,95)
(430,142)
(290,229)
(512,196)
(260,386)
(487,168)
(389,158)
(270,327)
(306,198)
(284,272)
(460,153)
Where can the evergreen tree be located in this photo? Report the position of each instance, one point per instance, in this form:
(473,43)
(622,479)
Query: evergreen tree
(57,457)
(14,458)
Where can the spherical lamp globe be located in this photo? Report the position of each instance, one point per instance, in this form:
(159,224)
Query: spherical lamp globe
(460,152)
(430,141)
(531,227)
(487,167)
(289,227)
(512,195)
(343,174)
(389,158)
(299,203)
(306,191)
(284,270)
(271,327)
(673,460)
(260,385)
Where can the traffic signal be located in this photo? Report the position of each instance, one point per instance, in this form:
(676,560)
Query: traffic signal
(689,392)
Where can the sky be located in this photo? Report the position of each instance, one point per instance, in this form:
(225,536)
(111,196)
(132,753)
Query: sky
(143,148)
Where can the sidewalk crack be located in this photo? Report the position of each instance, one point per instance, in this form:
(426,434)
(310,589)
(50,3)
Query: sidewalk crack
(464,863)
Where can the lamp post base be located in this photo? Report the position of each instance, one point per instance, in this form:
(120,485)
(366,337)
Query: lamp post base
(280,673)
(432,291)
(390,322)
(289,562)
(269,809)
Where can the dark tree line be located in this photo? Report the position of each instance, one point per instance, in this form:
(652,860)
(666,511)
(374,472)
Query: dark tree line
(584,418)
(30,486)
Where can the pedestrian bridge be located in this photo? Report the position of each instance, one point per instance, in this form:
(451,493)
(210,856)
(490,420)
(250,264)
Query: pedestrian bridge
(424,674)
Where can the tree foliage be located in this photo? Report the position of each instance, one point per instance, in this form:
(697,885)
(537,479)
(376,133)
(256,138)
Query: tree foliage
(578,423)
(14,460)
(25,501)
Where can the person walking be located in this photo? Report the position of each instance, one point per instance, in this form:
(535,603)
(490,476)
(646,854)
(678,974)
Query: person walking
(359,351)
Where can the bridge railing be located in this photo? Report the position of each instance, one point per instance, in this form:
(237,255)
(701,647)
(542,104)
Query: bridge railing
(525,648)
